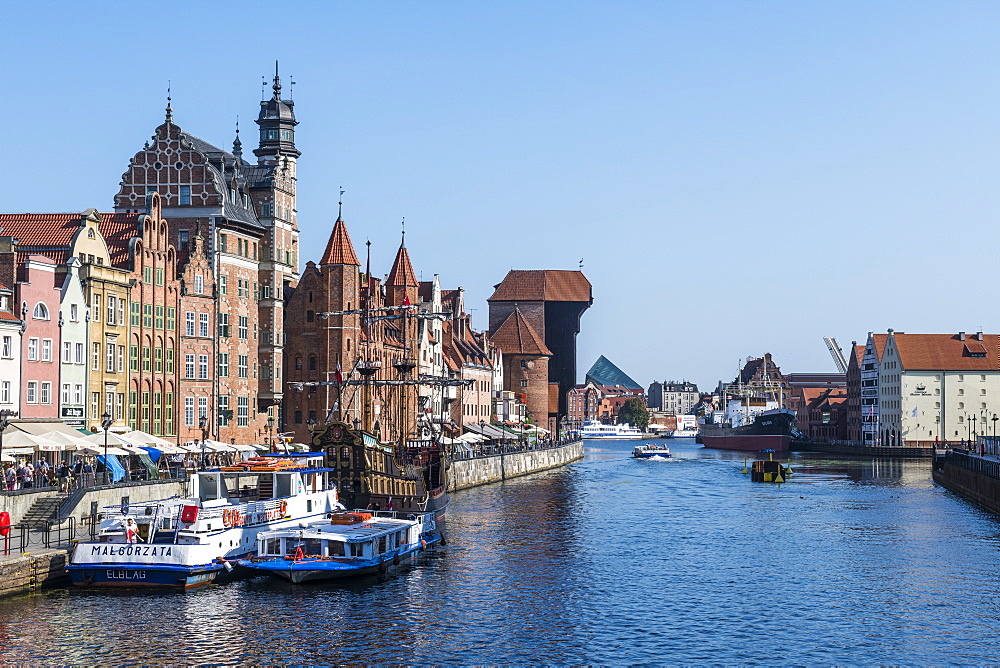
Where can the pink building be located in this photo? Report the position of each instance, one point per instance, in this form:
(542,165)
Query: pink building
(38,296)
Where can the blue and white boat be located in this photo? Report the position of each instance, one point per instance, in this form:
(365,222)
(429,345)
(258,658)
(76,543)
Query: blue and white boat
(347,545)
(595,429)
(650,450)
(185,542)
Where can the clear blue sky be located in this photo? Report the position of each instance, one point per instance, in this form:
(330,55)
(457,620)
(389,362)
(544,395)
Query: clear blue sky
(738,177)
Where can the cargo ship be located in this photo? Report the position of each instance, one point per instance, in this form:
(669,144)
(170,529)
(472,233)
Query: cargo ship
(750,424)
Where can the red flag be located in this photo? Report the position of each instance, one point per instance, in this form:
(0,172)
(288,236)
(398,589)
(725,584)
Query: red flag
(406,300)
(339,376)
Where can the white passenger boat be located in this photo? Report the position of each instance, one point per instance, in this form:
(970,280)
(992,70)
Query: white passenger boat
(345,546)
(184,542)
(594,429)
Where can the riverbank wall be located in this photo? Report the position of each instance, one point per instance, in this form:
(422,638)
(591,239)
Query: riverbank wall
(472,472)
(975,478)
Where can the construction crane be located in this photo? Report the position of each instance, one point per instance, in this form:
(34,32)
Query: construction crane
(836,353)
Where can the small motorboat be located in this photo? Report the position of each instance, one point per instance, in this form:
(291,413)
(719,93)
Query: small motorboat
(649,450)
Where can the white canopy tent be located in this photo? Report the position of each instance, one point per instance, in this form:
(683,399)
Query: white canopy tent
(94,449)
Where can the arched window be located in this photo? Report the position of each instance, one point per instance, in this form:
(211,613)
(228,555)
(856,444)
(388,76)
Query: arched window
(41,312)
(312,363)
(298,363)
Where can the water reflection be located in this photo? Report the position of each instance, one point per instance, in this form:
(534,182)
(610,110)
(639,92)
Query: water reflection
(610,560)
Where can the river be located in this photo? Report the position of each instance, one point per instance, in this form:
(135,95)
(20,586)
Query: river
(606,561)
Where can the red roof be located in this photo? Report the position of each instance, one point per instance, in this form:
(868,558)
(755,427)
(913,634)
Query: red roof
(552,285)
(339,249)
(516,337)
(118,229)
(402,274)
(949,352)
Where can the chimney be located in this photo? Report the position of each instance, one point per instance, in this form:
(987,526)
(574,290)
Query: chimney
(979,336)
(961,336)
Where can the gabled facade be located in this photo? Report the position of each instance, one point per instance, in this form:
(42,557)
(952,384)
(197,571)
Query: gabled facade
(38,295)
(74,317)
(197,361)
(11,328)
(871,428)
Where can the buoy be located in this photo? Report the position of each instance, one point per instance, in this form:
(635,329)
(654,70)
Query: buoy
(745,466)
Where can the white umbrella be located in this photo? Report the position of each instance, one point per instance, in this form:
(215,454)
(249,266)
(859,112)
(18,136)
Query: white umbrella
(470,437)
(71,442)
(112,439)
(245,447)
(139,437)
(94,449)
(21,439)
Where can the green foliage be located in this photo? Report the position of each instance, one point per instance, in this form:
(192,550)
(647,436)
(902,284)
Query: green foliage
(634,412)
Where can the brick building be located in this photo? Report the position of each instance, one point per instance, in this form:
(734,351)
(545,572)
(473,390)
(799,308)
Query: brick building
(539,312)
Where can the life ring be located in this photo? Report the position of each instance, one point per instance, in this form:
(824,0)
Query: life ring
(283,508)
(227,517)
(423,544)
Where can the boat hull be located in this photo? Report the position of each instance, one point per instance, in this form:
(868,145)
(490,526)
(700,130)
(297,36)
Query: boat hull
(748,442)
(142,576)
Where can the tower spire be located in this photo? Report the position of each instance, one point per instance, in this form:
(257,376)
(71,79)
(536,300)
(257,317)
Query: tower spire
(402,241)
(340,204)
(237,144)
(170,112)
(277,83)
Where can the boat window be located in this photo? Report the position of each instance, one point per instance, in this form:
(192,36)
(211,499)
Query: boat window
(273,546)
(335,548)
(208,487)
(282,485)
(381,544)
(311,547)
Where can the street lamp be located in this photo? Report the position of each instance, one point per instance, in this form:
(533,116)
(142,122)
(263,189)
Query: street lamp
(270,427)
(5,416)
(203,424)
(106,422)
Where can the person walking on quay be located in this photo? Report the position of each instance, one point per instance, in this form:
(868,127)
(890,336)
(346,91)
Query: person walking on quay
(10,478)
(88,474)
(78,472)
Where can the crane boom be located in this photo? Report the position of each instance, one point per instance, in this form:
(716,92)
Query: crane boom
(836,353)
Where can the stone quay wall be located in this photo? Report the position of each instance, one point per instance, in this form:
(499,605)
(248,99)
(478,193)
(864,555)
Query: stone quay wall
(466,473)
(975,478)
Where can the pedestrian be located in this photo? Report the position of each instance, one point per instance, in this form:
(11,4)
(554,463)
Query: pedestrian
(63,474)
(131,531)
(42,473)
(26,471)
(10,477)
(88,474)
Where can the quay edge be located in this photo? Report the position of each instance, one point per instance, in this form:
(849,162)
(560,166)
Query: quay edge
(466,473)
(971,477)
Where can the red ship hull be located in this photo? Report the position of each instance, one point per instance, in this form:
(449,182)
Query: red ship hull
(748,442)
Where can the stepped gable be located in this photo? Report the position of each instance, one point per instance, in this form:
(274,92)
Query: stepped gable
(402,275)
(604,372)
(553,285)
(516,337)
(953,352)
(339,249)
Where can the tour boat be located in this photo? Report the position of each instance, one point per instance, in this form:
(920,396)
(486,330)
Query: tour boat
(349,544)
(185,542)
(595,429)
(647,450)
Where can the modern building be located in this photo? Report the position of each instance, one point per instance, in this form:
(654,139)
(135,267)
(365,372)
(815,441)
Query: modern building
(604,372)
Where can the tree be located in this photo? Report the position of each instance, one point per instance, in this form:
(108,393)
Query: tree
(634,412)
